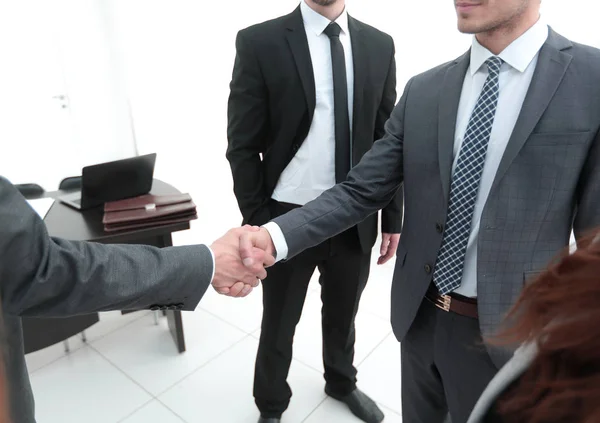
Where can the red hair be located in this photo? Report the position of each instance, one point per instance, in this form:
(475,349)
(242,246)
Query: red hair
(4,406)
(560,312)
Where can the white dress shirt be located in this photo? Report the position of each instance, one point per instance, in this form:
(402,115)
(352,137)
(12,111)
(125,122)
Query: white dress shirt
(520,59)
(214,264)
(312,170)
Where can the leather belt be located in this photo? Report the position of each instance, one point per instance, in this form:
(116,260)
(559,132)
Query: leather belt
(288,206)
(453,302)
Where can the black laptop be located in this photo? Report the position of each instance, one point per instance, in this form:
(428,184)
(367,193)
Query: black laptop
(112,181)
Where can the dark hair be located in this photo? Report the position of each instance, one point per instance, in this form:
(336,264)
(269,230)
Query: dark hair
(560,312)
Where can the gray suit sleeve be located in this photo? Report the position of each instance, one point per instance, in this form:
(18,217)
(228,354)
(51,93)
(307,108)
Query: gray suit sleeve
(370,186)
(587,216)
(42,276)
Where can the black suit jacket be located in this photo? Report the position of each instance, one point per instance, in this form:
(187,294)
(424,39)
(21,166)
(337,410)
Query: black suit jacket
(272,102)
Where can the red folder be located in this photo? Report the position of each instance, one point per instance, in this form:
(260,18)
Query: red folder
(148,211)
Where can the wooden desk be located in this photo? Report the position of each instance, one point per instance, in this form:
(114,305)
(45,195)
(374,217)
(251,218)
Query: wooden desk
(65,222)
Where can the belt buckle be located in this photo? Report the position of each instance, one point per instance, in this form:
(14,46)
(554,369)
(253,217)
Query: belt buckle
(443,302)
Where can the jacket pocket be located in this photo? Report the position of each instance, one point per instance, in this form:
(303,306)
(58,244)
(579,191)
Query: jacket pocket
(558,138)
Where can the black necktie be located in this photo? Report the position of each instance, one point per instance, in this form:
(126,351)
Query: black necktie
(340,103)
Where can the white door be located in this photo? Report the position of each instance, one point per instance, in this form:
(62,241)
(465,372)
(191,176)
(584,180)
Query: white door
(36,131)
(63,100)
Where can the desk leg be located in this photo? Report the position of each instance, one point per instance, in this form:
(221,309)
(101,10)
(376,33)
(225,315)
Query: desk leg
(175,323)
(174,319)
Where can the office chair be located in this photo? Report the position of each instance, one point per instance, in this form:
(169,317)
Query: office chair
(30,191)
(70,183)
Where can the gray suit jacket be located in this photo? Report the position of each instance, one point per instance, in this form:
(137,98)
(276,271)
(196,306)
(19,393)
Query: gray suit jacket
(548,182)
(508,374)
(41,276)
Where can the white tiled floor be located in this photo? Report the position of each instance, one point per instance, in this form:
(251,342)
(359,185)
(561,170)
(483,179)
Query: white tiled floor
(130,372)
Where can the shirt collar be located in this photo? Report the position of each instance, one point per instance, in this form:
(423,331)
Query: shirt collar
(518,54)
(317,22)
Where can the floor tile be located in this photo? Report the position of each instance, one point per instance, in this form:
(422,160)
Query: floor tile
(380,374)
(221,391)
(84,384)
(147,353)
(154,411)
(243,313)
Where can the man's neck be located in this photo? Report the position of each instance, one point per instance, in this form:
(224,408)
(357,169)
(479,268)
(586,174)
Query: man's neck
(498,39)
(331,12)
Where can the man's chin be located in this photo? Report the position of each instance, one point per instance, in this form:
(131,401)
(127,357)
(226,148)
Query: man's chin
(467,28)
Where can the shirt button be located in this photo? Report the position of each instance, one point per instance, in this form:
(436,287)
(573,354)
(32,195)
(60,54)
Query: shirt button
(439,227)
(428,269)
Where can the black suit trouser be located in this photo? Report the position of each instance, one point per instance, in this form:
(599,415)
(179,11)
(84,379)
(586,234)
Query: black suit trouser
(344,270)
(445,366)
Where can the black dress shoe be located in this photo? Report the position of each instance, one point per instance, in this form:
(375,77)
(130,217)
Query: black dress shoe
(361,406)
(269,420)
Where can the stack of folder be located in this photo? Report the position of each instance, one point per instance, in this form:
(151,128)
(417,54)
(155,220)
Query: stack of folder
(148,211)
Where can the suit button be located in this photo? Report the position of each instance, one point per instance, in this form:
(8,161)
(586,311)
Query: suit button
(295,148)
(439,227)
(180,306)
(154,308)
(428,268)
(172,307)
(164,308)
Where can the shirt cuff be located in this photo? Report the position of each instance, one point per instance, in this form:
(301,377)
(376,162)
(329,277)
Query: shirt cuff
(212,254)
(278,240)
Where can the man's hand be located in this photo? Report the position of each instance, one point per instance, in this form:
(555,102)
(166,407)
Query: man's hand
(389,245)
(232,277)
(251,240)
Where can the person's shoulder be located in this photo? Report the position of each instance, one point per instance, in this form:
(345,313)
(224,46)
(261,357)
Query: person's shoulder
(265,30)
(437,73)
(586,49)
(581,53)
(372,32)
(584,63)
(587,53)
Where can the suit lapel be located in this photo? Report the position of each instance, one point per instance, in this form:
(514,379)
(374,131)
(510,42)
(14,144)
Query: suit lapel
(549,72)
(448,109)
(360,60)
(296,37)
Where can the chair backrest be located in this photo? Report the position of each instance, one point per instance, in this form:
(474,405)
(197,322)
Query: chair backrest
(70,183)
(30,190)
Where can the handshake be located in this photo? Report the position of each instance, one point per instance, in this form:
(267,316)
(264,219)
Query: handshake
(241,258)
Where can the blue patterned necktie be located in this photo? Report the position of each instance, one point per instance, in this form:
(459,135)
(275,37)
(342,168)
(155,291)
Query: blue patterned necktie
(465,184)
